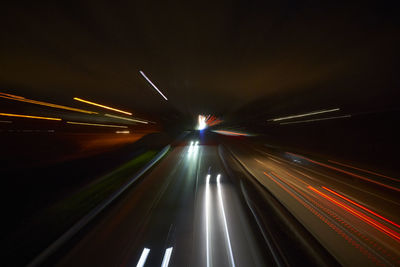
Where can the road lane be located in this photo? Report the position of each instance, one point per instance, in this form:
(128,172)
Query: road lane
(162,219)
(232,243)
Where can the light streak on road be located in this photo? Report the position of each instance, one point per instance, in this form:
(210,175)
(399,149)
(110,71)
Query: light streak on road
(361,206)
(321,119)
(143,257)
(127,119)
(224,217)
(122,132)
(152,84)
(167,257)
(361,216)
(305,114)
(312,208)
(96,124)
(102,106)
(5,121)
(41,103)
(206,205)
(193,148)
(367,171)
(29,116)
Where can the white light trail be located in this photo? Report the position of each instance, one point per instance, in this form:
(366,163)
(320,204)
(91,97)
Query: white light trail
(206,204)
(127,119)
(167,257)
(143,257)
(321,119)
(305,114)
(5,121)
(225,223)
(193,148)
(155,87)
(190,147)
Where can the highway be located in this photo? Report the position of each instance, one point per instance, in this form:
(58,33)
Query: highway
(188,211)
(352,212)
(184,212)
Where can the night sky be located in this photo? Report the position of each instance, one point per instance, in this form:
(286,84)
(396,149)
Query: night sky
(207,57)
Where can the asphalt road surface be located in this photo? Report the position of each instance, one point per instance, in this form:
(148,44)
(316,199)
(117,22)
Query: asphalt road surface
(184,212)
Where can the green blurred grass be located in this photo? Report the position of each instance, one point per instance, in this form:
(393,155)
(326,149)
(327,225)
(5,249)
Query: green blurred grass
(80,203)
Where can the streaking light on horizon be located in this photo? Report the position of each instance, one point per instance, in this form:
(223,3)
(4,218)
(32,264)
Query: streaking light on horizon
(127,119)
(143,257)
(321,119)
(122,132)
(152,84)
(102,106)
(23,99)
(96,124)
(29,116)
(167,257)
(230,133)
(305,114)
(201,123)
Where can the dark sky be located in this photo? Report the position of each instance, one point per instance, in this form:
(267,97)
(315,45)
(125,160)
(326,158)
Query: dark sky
(211,57)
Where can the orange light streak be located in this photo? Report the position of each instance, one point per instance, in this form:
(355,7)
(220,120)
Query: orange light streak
(102,106)
(23,99)
(13,96)
(349,166)
(347,172)
(96,124)
(361,206)
(363,217)
(29,116)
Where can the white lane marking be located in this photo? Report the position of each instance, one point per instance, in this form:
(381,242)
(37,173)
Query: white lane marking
(207,200)
(143,257)
(167,257)
(225,223)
